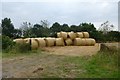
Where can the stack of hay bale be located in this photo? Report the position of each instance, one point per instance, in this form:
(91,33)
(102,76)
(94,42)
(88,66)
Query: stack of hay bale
(63,39)
(76,39)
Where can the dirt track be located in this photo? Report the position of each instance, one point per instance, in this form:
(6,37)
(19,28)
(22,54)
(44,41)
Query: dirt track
(38,65)
(28,66)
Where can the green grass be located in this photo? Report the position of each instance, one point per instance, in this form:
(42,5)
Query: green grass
(102,65)
(13,53)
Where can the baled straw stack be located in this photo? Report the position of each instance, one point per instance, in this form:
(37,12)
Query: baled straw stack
(68,42)
(41,42)
(71,35)
(59,35)
(90,42)
(63,35)
(19,41)
(43,37)
(27,40)
(85,34)
(79,34)
(83,42)
(93,42)
(50,41)
(77,42)
(59,42)
(34,44)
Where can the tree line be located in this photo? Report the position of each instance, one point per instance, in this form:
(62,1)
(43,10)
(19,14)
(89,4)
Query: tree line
(42,30)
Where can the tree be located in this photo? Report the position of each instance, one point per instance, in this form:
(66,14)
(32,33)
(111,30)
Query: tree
(74,28)
(87,27)
(7,27)
(46,30)
(56,27)
(38,30)
(106,27)
(17,33)
(113,36)
(26,29)
(65,28)
(45,23)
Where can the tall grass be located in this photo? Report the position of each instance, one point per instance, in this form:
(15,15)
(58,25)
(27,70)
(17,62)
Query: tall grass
(102,65)
(19,50)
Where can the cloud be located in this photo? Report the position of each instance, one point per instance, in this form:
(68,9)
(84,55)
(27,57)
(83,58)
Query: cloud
(93,1)
(63,12)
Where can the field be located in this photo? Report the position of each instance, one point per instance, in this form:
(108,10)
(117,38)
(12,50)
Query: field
(70,61)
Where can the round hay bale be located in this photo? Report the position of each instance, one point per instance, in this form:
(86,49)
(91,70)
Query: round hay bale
(27,40)
(63,35)
(85,34)
(41,42)
(93,42)
(50,41)
(68,42)
(79,34)
(43,37)
(90,42)
(77,42)
(34,44)
(71,35)
(59,42)
(59,35)
(19,41)
(83,42)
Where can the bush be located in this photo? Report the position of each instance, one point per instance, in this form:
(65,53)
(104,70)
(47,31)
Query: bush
(9,46)
(7,43)
(21,48)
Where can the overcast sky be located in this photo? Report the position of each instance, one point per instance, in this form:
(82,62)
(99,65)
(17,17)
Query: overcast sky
(62,11)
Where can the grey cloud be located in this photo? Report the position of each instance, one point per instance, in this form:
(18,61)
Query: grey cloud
(71,13)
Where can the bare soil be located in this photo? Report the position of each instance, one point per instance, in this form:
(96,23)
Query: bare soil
(29,66)
(46,63)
